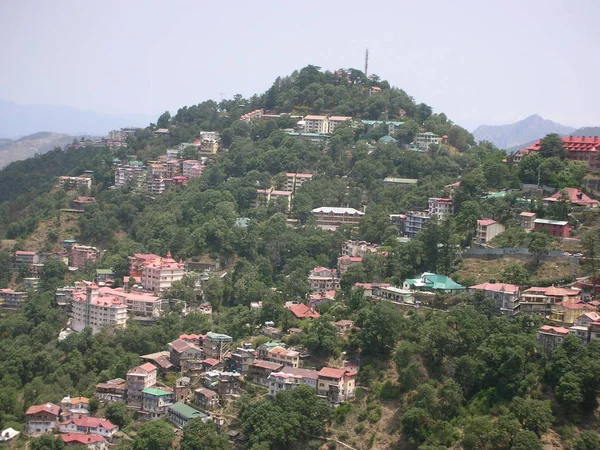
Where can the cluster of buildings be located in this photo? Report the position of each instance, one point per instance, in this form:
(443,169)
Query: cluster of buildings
(115,139)
(293,182)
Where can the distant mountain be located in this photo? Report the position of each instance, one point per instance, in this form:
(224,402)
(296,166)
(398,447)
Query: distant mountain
(21,120)
(29,146)
(517,134)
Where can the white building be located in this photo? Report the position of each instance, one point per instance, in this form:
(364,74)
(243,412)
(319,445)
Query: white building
(323,279)
(330,218)
(159,275)
(440,206)
(289,378)
(487,229)
(91,310)
(506,296)
(424,140)
(294,181)
(323,124)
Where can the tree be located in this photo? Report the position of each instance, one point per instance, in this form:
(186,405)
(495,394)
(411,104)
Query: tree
(534,415)
(551,146)
(200,435)
(514,273)
(164,120)
(527,440)
(590,243)
(379,332)
(116,412)
(587,440)
(155,435)
(538,244)
(52,275)
(47,443)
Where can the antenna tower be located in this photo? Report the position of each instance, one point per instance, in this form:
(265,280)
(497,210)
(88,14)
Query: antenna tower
(366,61)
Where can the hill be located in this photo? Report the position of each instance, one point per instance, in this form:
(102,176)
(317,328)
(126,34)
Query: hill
(20,120)
(516,134)
(28,146)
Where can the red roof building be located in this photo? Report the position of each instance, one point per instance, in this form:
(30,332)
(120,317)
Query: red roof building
(576,198)
(302,311)
(579,148)
(89,440)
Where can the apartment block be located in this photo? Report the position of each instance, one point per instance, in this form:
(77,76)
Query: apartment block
(294,181)
(82,254)
(138,379)
(440,207)
(74,182)
(487,229)
(331,218)
(91,310)
(415,222)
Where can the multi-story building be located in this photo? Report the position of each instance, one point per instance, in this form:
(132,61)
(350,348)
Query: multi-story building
(575,197)
(12,300)
(252,116)
(76,405)
(140,304)
(392,127)
(415,222)
(181,351)
(526,218)
(265,196)
(159,275)
(112,391)
(505,295)
(206,398)
(294,181)
(539,300)
(323,279)
(284,356)
(192,168)
(156,186)
(156,402)
(487,229)
(74,182)
(440,207)
(138,379)
(579,148)
(138,261)
(259,371)
(549,338)
(134,174)
(180,414)
(40,419)
(424,140)
(358,248)
(337,385)
(556,228)
(323,124)
(330,218)
(27,258)
(241,358)
(82,254)
(291,377)
(89,425)
(565,313)
(344,262)
(215,345)
(392,293)
(91,310)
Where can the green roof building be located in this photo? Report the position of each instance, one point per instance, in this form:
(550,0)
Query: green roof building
(180,414)
(387,140)
(431,282)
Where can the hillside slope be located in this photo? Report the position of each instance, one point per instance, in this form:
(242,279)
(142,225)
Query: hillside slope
(29,146)
(516,134)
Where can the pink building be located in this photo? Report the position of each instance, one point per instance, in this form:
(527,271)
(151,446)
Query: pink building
(157,276)
(82,254)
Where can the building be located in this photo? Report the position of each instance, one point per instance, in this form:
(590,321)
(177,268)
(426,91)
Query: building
(141,304)
(223,383)
(81,202)
(252,116)
(549,338)
(27,258)
(343,326)
(424,140)
(344,262)
(284,356)
(330,218)
(12,300)
(440,207)
(302,311)
(555,228)
(575,197)
(369,288)
(392,293)
(487,229)
(539,300)
(289,378)
(392,127)
(337,385)
(84,440)
(181,351)
(180,414)
(506,296)
(156,401)
(82,254)
(294,181)
(565,313)
(526,219)
(134,174)
(91,310)
(40,419)
(358,248)
(323,279)
(159,275)
(259,371)
(579,148)
(415,221)
(138,261)
(207,399)
(138,379)
(74,182)
(430,282)
(215,345)
(75,405)
(89,425)
(112,391)
(266,196)
(242,357)
(323,124)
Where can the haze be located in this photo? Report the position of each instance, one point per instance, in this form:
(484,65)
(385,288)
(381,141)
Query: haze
(476,61)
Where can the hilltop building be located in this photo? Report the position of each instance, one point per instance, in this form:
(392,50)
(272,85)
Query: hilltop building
(579,148)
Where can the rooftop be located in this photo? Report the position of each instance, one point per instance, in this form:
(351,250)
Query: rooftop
(186,411)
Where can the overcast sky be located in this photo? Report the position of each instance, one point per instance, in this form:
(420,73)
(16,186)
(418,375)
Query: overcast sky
(480,62)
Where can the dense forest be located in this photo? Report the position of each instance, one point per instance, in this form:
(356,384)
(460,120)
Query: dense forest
(462,377)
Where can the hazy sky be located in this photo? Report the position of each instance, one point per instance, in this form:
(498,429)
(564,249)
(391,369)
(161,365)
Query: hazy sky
(477,61)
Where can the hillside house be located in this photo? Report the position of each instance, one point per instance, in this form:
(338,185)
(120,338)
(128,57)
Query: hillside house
(423,140)
(575,197)
(68,183)
(555,228)
(565,313)
(579,148)
(12,300)
(323,124)
(156,402)
(344,262)
(89,425)
(549,338)
(215,345)
(84,440)
(266,196)
(302,311)
(180,414)
(40,419)
(526,219)
(337,385)
(159,275)
(440,207)
(294,181)
(138,379)
(259,371)
(112,391)
(430,282)
(92,310)
(506,296)
(82,254)
(415,222)
(331,218)
(284,356)
(206,398)
(323,279)
(487,229)
(539,300)
(181,351)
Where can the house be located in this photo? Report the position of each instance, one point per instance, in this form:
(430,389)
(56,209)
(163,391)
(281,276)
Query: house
(265,196)
(138,261)
(112,391)
(430,282)
(295,180)
(82,254)
(91,310)
(423,140)
(156,401)
(289,378)
(75,405)
(343,326)
(302,311)
(415,221)
(337,385)
(81,202)
(138,379)
(331,218)
(216,345)
(252,116)
(161,361)
(392,293)
(323,279)
(555,228)
(487,229)
(134,174)
(594,331)
(12,300)
(368,288)
(74,182)
(526,219)
(575,197)
(223,383)
(549,338)
(539,300)
(263,350)
(272,332)
(209,364)
(180,351)
(392,127)
(206,398)
(259,371)
(579,148)
(242,358)
(346,261)
(506,296)
(103,276)
(89,425)
(182,388)
(40,419)
(565,313)
(90,441)
(180,414)
(440,207)
(320,297)
(284,356)
(358,248)
(159,275)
